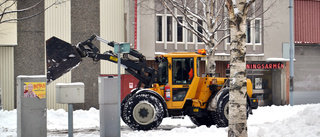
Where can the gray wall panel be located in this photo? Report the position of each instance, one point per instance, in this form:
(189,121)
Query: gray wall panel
(85,22)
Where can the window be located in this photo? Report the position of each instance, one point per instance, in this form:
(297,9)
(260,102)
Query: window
(159,28)
(228,33)
(190,36)
(198,67)
(169,28)
(200,25)
(163,72)
(248,33)
(181,69)
(179,30)
(189,33)
(257,24)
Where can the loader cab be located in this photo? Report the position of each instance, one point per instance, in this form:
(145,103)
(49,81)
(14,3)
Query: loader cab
(180,72)
(181,79)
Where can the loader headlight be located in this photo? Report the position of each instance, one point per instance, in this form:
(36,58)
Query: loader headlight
(195,110)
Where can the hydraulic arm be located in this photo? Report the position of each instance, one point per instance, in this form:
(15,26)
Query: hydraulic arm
(133,62)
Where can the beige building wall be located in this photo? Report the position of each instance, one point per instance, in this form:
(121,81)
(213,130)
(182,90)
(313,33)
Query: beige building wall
(58,24)
(8,30)
(146,29)
(8,39)
(112,28)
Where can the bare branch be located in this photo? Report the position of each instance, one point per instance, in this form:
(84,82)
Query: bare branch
(249,3)
(29,8)
(192,29)
(4,10)
(229,5)
(184,12)
(266,9)
(222,39)
(4,2)
(21,10)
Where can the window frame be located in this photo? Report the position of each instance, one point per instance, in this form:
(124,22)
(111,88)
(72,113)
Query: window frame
(260,31)
(228,40)
(251,30)
(197,39)
(177,27)
(174,70)
(172,29)
(162,28)
(188,32)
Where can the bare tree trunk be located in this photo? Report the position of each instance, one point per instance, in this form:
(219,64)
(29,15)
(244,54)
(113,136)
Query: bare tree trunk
(238,76)
(211,64)
(210,61)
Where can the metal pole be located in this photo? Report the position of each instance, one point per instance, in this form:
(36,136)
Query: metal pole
(70,120)
(119,83)
(291,51)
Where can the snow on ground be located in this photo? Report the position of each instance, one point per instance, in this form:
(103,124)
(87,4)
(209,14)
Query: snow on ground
(270,121)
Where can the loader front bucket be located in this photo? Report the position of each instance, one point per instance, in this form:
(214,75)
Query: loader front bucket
(61,58)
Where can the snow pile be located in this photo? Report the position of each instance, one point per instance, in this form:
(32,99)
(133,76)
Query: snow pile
(82,119)
(272,121)
(297,121)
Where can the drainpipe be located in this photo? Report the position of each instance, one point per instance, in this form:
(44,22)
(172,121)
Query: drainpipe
(291,50)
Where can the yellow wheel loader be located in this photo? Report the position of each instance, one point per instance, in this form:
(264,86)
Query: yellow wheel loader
(175,89)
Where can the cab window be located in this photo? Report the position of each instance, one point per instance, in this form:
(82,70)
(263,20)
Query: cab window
(183,71)
(198,67)
(163,72)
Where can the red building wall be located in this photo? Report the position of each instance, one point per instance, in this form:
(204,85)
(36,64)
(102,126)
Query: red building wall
(307,21)
(128,83)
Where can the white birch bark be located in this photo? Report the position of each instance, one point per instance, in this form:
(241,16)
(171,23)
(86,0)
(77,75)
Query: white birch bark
(238,10)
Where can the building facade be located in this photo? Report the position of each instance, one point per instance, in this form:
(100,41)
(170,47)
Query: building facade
(153,31)
(267,43)
(307,49)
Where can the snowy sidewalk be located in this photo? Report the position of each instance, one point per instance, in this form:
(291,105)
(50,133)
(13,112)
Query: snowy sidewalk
(273,121)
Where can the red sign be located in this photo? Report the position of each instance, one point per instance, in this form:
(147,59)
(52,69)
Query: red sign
(263,66)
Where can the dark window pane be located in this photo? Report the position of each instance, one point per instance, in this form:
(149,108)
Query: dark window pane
(179,30)
(200,29)
(257,31)
(159,28)
(248,33)
(183,70)
(169,28)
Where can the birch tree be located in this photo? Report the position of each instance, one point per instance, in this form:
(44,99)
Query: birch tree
(238,11)
(212,15)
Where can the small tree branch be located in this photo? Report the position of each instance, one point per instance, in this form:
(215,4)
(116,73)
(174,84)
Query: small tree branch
(21,10)
(4,10)
(29,8)
(266,9)
(193,30)
(4,2)
(229,5)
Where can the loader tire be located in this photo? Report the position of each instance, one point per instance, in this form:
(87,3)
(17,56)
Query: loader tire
(223,111)
(199,121)
(123,102)
(143,112)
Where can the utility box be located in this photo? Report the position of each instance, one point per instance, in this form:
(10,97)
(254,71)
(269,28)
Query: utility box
(70,93)
(31,106)
(109,104)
